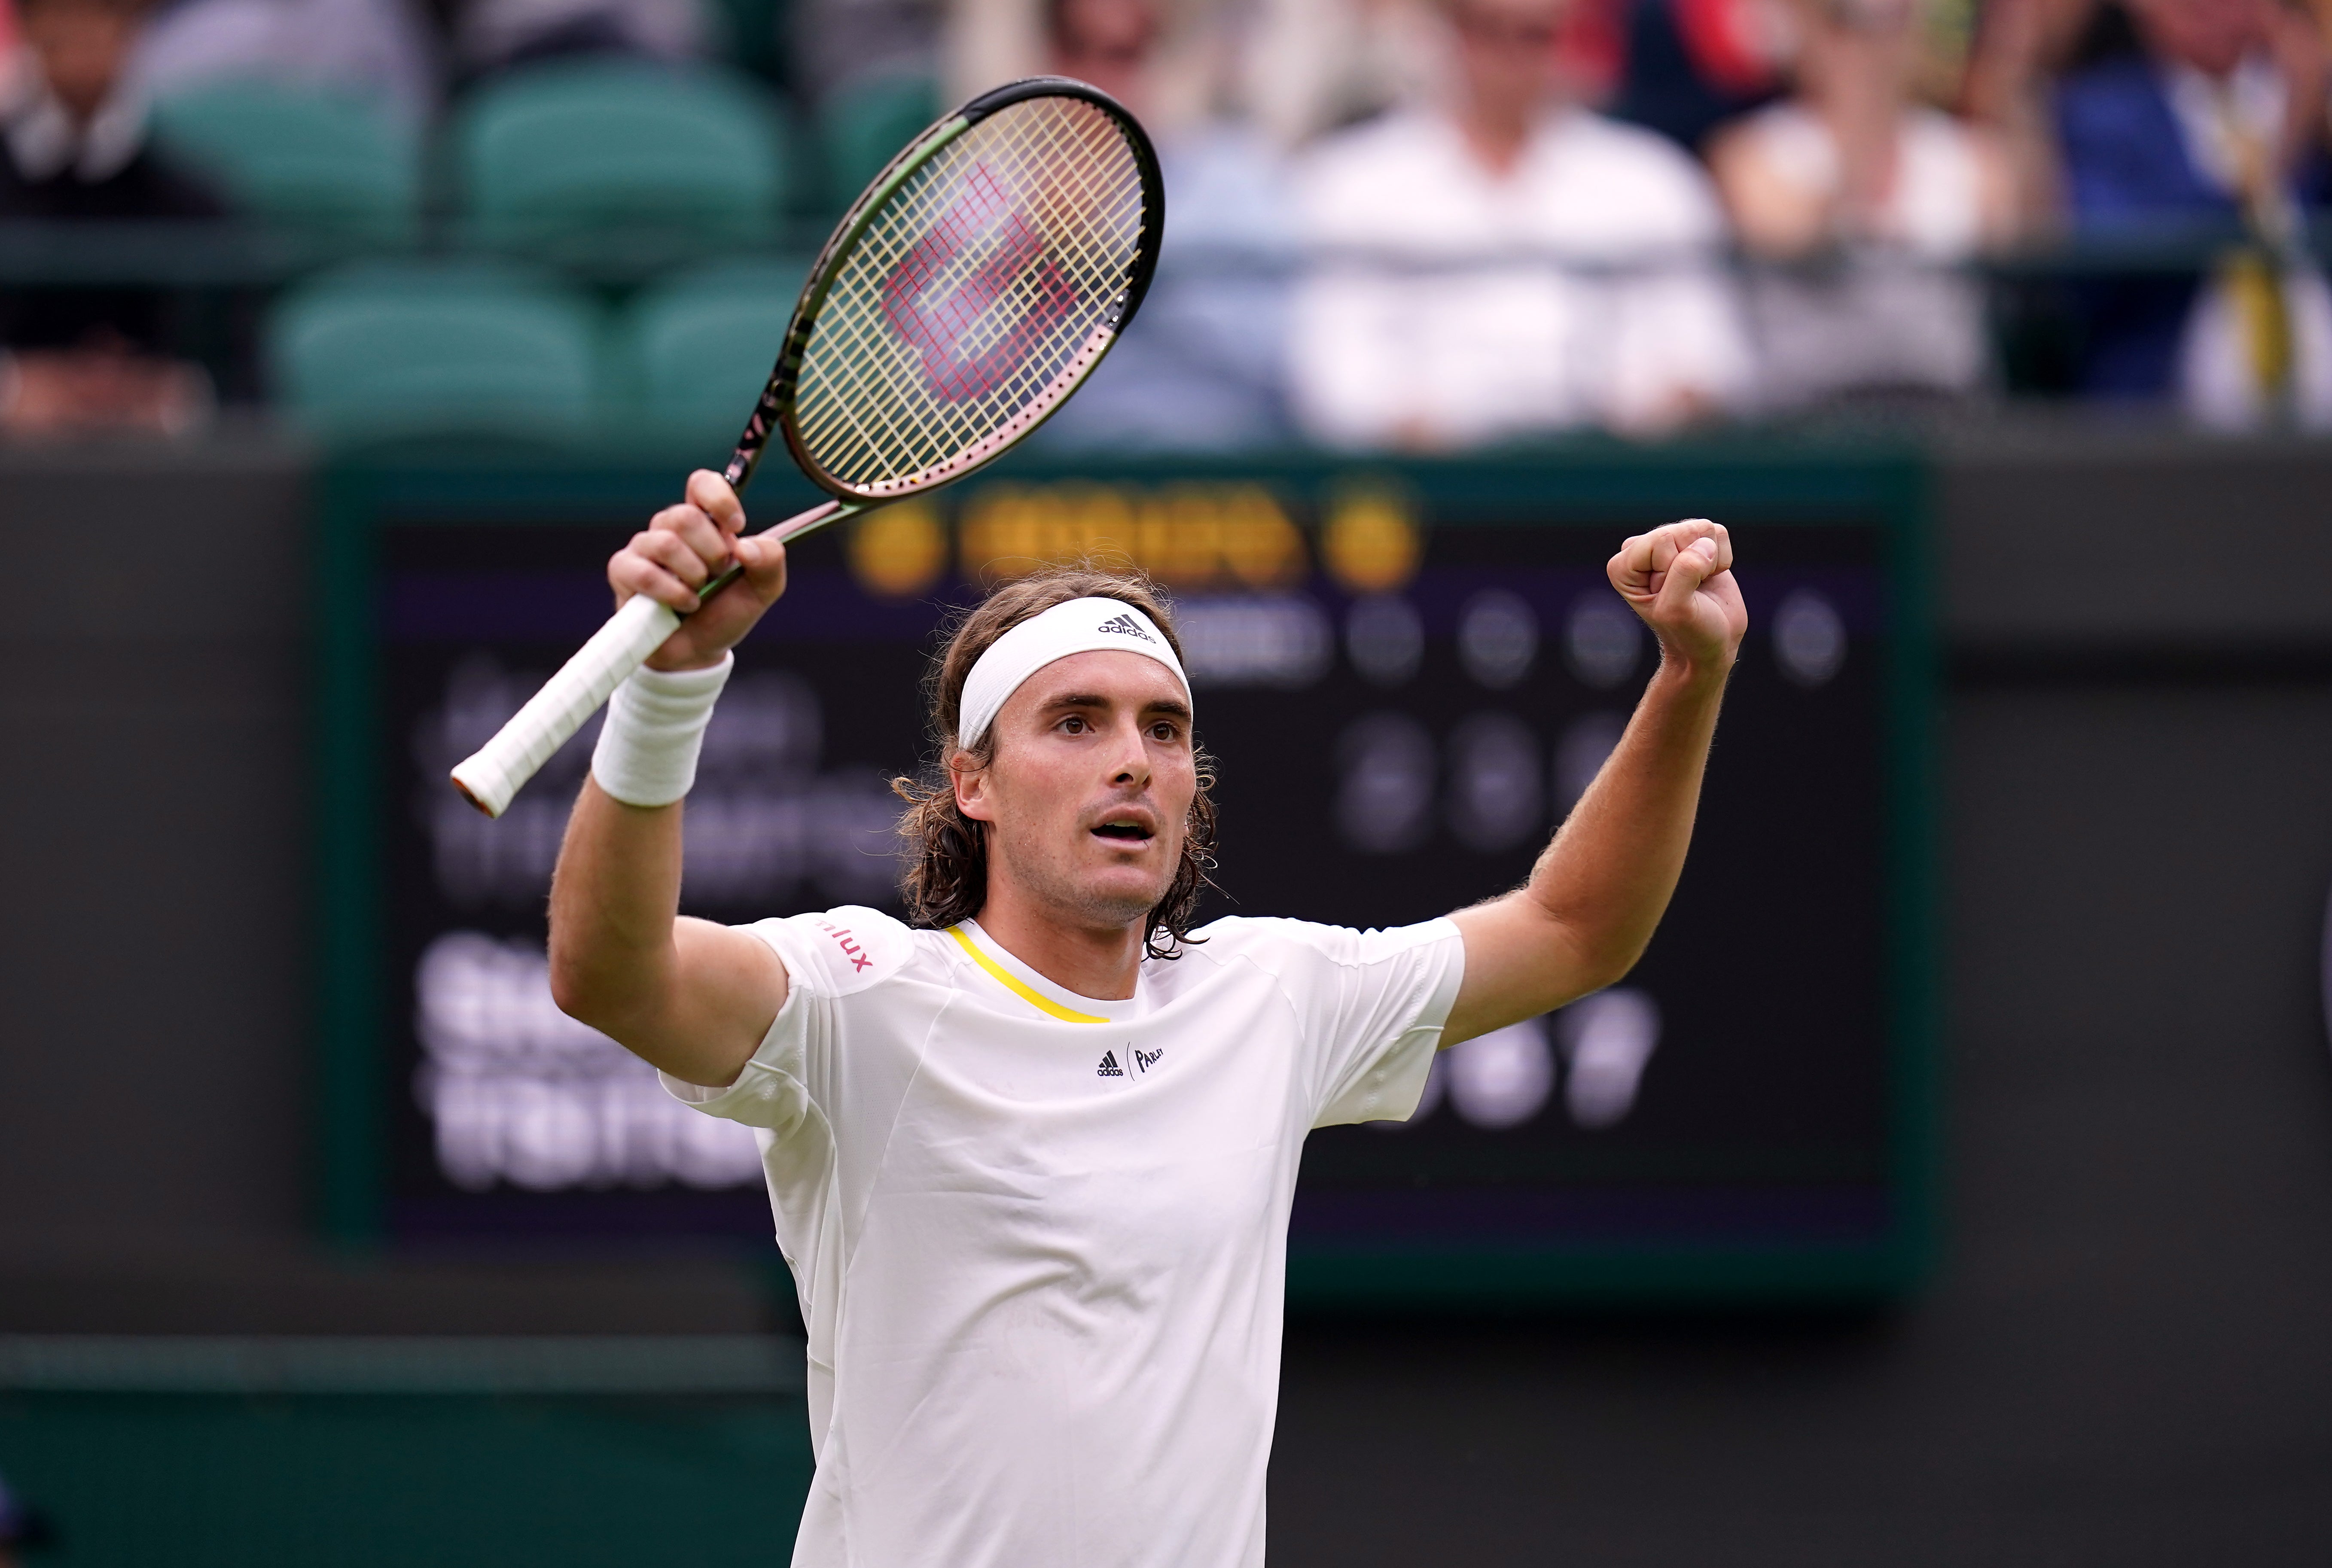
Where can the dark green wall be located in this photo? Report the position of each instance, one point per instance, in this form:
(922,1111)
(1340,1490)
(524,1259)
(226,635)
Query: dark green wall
(451,1481)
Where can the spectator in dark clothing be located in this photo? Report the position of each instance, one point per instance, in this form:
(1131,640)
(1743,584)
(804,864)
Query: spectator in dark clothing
(2209,133)
(75,150)
(1689,65)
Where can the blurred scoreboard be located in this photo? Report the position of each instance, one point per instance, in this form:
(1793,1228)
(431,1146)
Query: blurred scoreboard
(1407,675)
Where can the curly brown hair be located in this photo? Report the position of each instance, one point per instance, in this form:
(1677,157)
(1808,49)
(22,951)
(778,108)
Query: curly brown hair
(946,877)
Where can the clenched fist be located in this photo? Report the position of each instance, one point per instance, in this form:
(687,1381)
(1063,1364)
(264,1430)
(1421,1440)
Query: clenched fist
(1679,580)
(683,548)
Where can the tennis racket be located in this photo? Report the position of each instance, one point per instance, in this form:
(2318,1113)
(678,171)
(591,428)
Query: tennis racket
(965,295)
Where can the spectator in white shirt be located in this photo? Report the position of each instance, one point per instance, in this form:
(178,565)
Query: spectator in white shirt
(1892,198)
(1508,263)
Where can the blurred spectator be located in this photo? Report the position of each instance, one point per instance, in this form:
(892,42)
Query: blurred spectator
(2212,126)
(1309,66)
(1512,262)
(1873,202)
(1685,66)
(376,49)
(1182,75)
(1200,367)
(840,43)
(493,36)
(1110,43)
(985,43)
(76,148)
(1303,67)
(2017,53)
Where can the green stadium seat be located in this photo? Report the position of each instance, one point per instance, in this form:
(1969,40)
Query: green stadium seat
(574,156)
(694,350)
(298,158)
(863,128)
(436,349)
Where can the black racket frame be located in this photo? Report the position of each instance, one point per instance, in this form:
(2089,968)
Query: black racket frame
(775,410)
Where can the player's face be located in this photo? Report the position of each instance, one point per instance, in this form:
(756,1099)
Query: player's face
(1090,789)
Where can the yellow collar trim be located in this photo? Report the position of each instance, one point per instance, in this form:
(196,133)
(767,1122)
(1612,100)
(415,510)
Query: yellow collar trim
(1042,1003)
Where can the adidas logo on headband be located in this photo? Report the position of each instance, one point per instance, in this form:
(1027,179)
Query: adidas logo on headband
(1055,634)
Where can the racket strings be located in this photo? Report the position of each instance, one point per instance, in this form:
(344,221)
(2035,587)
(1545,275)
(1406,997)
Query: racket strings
(941,428)
(971,290)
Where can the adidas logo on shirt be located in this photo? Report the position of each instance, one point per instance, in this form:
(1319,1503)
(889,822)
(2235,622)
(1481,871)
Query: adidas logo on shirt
(1143,1062)
(1124,627)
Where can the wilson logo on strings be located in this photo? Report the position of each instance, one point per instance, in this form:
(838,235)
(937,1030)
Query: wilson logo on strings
(974,326)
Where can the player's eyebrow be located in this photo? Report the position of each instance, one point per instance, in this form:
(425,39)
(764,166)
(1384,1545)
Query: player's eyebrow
(1165,707)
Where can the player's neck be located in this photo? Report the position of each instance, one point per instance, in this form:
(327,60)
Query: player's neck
(1098,961)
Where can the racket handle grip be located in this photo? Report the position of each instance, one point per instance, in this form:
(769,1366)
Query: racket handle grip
(493,775)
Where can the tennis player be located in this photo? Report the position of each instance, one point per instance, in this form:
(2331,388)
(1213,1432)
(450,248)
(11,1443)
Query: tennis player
(1032,1152)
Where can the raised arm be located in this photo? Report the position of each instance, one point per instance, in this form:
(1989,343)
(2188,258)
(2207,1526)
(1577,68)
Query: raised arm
(690,996)
(1598,891)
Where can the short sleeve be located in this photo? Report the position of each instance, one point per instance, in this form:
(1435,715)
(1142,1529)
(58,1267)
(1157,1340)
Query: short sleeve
(773,1089)
(827,956)
(1377,1004)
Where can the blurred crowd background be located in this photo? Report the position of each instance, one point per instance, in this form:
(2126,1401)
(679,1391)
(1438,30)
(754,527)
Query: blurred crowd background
(1411,225)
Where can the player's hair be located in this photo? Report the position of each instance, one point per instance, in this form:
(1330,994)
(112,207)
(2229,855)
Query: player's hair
(946,876)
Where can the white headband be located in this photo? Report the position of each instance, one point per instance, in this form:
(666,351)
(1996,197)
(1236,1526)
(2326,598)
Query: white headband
(1079,627)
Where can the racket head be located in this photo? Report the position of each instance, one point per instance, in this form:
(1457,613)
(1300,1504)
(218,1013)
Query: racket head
(972,287)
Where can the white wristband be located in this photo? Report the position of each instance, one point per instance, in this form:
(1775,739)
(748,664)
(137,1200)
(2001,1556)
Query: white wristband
(646,754)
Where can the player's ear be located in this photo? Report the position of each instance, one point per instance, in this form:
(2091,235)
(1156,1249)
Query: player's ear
(969,779)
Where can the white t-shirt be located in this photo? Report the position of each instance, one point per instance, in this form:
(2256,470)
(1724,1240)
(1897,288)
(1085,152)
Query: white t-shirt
(1040,1240)
(1610,302)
